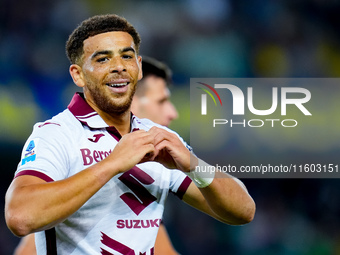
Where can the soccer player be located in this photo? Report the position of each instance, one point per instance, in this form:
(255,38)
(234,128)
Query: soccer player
(94,178)
(151,100)
(152,96)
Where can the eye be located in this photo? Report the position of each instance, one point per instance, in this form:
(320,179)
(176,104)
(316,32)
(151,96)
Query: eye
(103,59)
(162,101)
(126,56)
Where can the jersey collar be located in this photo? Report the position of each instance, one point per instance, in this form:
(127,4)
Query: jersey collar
(83,112)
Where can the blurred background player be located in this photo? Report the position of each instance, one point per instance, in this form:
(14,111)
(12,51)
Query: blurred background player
(26,246)
(151,101)
(152,97)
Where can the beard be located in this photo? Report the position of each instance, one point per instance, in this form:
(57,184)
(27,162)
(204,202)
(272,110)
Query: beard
(110,104)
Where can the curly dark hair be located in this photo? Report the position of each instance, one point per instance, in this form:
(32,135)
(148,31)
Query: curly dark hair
(93,26)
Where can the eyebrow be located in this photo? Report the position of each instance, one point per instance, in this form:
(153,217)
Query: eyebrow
(101,52)
(109,52)
(126,49)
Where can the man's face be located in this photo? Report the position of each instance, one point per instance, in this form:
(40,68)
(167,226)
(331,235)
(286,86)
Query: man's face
(155,104)
(110,71)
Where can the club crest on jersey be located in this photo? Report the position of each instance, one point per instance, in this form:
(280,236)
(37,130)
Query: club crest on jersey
(30,153)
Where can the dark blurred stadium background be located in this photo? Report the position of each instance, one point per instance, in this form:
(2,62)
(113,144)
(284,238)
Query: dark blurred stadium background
(197,38)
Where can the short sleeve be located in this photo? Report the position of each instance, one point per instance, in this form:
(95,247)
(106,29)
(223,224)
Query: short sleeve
(179,183)
(46,153)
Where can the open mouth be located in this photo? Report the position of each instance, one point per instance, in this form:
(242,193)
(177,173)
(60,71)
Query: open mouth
(117,85)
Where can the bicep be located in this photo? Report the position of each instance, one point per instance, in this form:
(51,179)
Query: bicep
(20,182)
(19,201)
(17,194)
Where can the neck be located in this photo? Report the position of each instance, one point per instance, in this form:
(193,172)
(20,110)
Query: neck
(121,121)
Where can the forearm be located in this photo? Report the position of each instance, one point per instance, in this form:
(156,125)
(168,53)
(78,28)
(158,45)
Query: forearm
(34,205)
(218,194)
(229,200)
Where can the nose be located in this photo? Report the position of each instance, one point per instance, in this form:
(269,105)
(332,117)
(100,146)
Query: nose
(172,112)
(117,65)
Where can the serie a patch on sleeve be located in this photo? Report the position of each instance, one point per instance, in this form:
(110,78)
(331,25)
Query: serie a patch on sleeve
(30,153)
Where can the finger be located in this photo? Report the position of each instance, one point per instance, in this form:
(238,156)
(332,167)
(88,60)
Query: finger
(162,151)
(150,154)
(162,135)
(154,131)
(140,136)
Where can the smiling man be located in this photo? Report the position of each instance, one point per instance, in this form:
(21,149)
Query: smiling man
(94,179)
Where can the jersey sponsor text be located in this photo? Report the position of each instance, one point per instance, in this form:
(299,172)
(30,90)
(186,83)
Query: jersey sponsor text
(93,156)
(133,224)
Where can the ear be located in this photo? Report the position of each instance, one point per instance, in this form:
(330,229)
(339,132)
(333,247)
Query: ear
(77,75)
(140,75)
